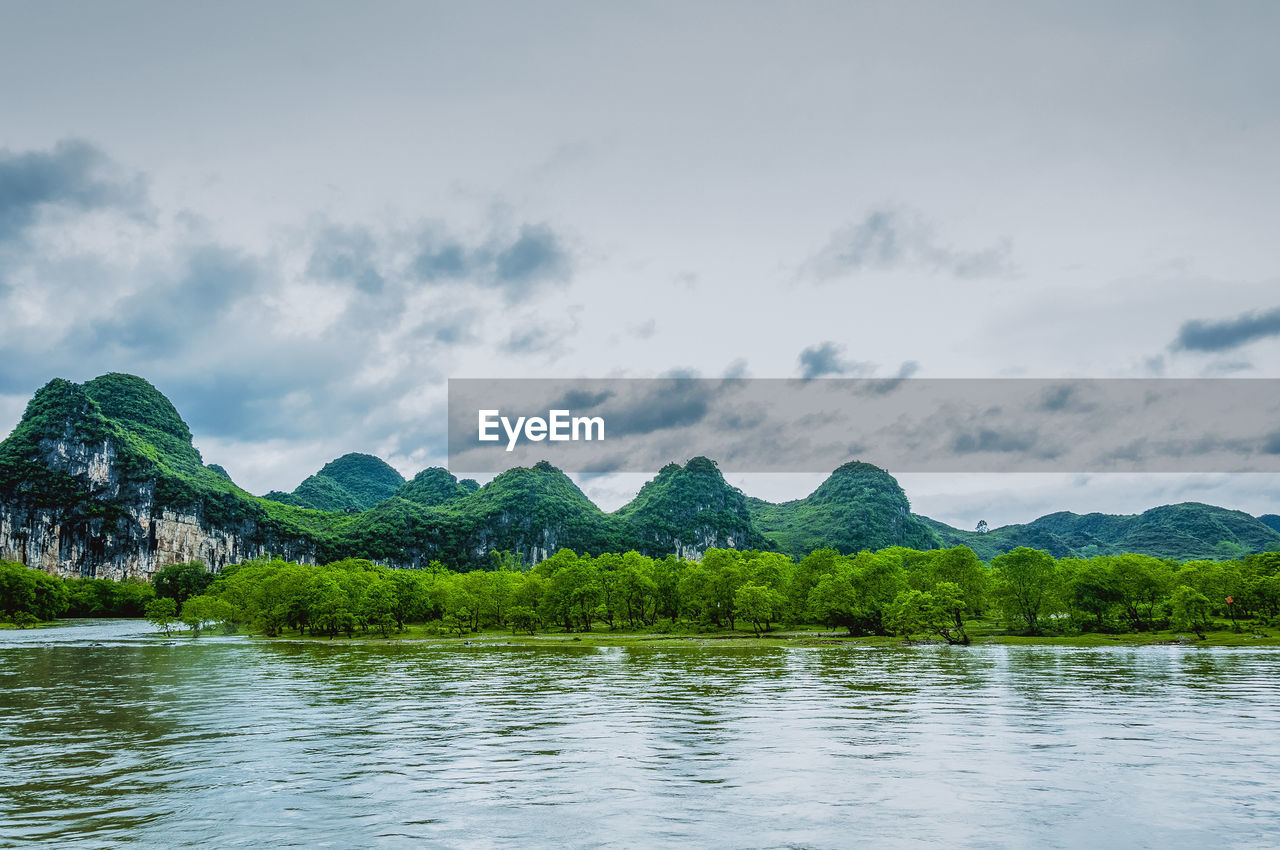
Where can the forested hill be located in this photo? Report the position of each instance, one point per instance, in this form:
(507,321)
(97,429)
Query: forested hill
(1182,532)
(353,482)
(860,506)
(102,479)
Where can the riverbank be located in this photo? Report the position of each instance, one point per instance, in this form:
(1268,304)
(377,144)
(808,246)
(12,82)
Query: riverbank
(419,634)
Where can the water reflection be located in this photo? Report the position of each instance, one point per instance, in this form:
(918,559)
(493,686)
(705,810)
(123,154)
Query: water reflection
(232,742)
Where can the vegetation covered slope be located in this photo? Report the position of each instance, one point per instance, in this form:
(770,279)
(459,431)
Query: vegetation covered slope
(860,506)
(1186,531)
(353,482)
(436,486)
(92,453)
(691,506)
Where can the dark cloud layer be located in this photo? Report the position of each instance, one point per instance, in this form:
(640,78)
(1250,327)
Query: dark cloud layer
(73,175)
(1204,335)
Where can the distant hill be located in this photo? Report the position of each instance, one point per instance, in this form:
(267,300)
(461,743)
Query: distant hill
(1271,521)
(691,508)
(436,486)
(860,506)
(353,482)
(1187,531)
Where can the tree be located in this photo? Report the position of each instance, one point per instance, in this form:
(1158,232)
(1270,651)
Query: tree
(857,592)
(522,619)
(961,567)
(1190,610)
(162,611)
(180,582)
(1141,582)
(331,607)
(1093,589)
(982,526)
(758,605)
(199,612)
(1026,585)
(938,612)
(33,591)
(378,605)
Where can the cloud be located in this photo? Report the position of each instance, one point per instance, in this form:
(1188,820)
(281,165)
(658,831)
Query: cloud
(991,440)
(346,254)
(581,400)
(338,336)
(884,386)
(72,175)
(536,255)
(1204,335)
(827,358)
(1064,398)
(168,314)
(515,263)
(888,239)
(671,404)
(530,341)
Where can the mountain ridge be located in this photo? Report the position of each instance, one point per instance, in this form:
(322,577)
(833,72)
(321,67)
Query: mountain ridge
(103,479)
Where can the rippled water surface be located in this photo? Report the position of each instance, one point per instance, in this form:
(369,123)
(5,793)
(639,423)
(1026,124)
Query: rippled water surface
(110,735)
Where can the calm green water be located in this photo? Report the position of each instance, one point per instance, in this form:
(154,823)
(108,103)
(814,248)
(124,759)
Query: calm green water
(227,742)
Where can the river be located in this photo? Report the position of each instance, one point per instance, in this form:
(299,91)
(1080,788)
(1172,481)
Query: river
(114,736)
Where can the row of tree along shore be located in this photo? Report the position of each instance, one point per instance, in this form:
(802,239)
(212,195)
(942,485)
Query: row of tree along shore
(937,594)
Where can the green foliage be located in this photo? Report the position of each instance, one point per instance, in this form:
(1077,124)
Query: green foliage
(179,582)
(758,604)
(938,612)
(689,505)
(936,594)
(162,611)
(353,482)
(523,619)
(1026,586)
(858,507)
(1180,532)
(100,597)
(24,590)
(199,612)
(1190,609)
(435,486)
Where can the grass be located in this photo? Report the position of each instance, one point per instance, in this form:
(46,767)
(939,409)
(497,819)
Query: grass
(4,626)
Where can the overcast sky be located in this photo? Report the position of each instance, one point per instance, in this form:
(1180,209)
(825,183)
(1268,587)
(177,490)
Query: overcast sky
(298,220)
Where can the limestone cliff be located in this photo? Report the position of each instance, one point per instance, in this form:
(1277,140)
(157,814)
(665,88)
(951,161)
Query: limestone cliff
(87,494)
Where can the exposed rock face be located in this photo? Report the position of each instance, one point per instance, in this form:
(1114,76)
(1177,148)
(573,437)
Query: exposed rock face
(132,546)
(99,516)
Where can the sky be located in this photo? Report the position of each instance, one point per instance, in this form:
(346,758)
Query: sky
(298,220)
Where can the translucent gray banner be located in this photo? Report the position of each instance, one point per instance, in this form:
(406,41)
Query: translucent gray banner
(903,425)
